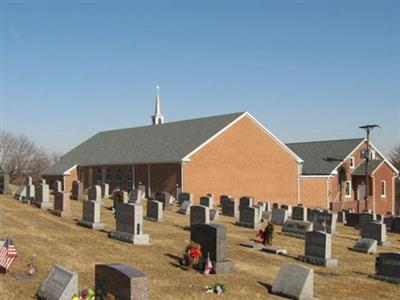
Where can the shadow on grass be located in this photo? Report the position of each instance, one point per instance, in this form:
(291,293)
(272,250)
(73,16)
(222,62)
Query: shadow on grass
(265,285)
(327,274)
(361,273)
(186,228)
(179,266)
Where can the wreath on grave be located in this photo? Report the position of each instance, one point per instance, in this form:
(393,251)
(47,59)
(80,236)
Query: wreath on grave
(191,255)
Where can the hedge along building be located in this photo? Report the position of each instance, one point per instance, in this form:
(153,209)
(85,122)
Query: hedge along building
(333,175)
(228,154)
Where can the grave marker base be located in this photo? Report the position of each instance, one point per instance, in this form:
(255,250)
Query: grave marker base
(137,239)
(43,205)
(330,262)
(94,226)
(252,245)
(248,225)
(154,220)
(61,214)
(386,278)
(276,251)
(220,267)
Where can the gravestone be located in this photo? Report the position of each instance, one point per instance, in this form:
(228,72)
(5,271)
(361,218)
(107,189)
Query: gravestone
(260,210)
(248,217)
(326,222)
(380,217)
(295,282)
(387,267)
(60,284)
(185,208)
(30,191)
(313,214)
(365,245)
(121,281)
(342,217)
(266,215)
(364,218)
(276,205)
(230,207)
(164,198)
(105,190)
(137,196)
(352,219)
(42,195)
(388,220)
(141,187)
(279,216)
(288,208)
(91,211)
(5,184)
(245,201)
(95,193)
(185,197)
(207,201)
(119,197)
(129,224)
(212,238)
(262,205)
(214,214)
(223,198)
(57,186)
(395,225)
(318,249)
(299,213)
(199,215)
(61,205)
(296,228)
(20,192)
(77,190)
(376,231)
(154,211)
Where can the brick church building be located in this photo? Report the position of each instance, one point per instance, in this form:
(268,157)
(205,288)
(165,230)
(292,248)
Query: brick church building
(230,154)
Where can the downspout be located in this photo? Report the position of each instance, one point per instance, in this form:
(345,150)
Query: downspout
(148,180)
(299,171)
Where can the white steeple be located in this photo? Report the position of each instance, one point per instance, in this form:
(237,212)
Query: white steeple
(158,118)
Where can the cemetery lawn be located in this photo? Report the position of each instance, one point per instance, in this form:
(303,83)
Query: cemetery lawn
(60,241)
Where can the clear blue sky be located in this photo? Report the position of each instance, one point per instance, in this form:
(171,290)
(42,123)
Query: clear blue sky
(308,71)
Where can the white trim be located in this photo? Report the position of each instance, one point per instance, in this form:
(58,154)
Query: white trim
(68,172)
(298,183)
(384,189)
(393,194)
(347,157)
(345,189)
(245,114)
(377,168)
(316,176)
(385,159)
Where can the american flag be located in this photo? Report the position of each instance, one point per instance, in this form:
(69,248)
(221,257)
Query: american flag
(7,254)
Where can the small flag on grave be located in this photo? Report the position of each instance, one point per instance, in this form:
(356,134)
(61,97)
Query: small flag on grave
(7,254)
(209,267)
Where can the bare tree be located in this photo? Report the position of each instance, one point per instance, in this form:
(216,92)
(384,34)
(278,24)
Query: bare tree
(21,156)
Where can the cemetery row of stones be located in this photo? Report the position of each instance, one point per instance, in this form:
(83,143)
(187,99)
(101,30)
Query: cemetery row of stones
(316,226)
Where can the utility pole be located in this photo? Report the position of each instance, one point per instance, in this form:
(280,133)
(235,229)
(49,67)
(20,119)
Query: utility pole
(368,128)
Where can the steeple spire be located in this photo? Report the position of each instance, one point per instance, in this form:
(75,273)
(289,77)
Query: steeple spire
(158,118)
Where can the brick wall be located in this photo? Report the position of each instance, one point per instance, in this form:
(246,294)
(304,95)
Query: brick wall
(243,160)
(313,191)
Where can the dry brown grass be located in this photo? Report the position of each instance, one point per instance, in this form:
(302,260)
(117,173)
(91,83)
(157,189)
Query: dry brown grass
(61,241)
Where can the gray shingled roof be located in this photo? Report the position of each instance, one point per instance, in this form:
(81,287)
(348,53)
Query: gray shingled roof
(322,157)
(165,143)
(360,170)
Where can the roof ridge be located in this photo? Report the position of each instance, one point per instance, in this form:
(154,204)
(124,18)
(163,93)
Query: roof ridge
(175,122)
(323,141)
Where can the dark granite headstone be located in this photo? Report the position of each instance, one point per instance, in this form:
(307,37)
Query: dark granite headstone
(230,207)
(352,220)
(155,211)
(249,217)
(296,228)
(318,249)
(199,215)
(77,190)
(299,213)
(164,198)
(121,281)
(365,245)
(61,205)
(91,212)
(212,238)
(396,225)
(387,267)
(207,201)
(245,201)
(5,183)
(376,231)
(185,197)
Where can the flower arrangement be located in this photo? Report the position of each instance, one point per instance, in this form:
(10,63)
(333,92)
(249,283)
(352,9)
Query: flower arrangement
(216,288)
(86,294)
(191,254)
